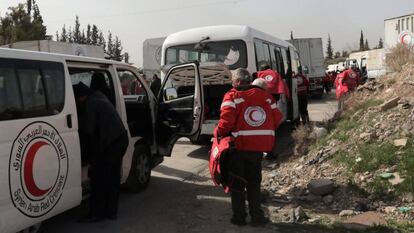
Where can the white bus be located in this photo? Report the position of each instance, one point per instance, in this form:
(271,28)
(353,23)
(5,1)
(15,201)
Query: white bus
(237,47)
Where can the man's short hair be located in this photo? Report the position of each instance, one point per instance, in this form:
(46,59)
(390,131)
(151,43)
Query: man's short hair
(242,74)
(260,83)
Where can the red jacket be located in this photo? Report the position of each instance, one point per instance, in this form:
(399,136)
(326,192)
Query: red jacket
(303,85)
(348,78)
(274,81)
(251,116)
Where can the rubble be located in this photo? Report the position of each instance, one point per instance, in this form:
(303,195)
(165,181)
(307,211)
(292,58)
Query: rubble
(345,213)
(321,186)
(365,220)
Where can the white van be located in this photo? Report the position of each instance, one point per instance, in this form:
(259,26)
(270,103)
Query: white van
(42,172)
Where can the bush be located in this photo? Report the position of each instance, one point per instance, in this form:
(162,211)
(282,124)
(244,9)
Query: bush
(399,56)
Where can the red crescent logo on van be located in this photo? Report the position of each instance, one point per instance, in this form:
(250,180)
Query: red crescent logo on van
(38,169)
(28,170)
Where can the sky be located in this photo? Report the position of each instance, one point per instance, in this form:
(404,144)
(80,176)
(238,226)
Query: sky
(133,21)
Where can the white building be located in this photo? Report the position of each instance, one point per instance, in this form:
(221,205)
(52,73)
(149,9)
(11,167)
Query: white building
(399,30)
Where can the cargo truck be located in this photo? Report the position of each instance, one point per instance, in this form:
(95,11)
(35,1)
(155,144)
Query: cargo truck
(311,57)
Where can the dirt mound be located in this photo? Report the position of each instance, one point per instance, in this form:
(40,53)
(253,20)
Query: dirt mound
(368,152)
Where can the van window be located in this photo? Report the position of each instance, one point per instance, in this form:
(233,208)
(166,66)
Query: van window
(94,79)
(30,88)
(130,84)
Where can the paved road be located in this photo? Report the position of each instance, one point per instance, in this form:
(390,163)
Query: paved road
(324,108)
(178,199)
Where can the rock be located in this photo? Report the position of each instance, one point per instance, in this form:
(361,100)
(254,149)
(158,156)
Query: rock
(328,199)
(390,209)
(408,197)
(319,132)
(366,136)
(364,221)
(273,210)
(389,104)
(361,207)
(202,217)
(401,142)
(345,213)
(321,187)
(299,214)
(396,179)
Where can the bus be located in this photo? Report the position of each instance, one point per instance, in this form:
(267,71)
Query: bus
(236,46)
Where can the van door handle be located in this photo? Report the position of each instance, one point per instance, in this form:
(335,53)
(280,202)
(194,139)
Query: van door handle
(69,120)
(197,112)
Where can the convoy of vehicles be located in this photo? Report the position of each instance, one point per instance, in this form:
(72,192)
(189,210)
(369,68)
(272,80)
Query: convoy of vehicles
(44,172)
(311,57)
(235,46)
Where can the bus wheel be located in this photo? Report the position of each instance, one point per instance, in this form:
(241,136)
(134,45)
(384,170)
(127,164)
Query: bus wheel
(140,174)
(37,228)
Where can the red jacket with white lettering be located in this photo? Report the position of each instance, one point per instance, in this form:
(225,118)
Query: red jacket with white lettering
(303,84)
(251,116)
(274,81)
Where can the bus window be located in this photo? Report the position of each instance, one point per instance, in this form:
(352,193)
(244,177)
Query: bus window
(273,59)
(266,53)
(280,62)
(233,53)
(286,63)
(295,63)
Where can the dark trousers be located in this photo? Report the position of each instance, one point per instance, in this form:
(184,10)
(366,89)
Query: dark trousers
(303,108)
(106,178)
(248,166)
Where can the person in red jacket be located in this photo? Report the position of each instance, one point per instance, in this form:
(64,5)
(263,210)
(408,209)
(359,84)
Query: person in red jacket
(346,82)
(302,90)
(250,115)
(275,83)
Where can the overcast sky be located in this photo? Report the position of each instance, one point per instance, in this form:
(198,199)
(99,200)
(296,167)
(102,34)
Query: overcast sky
(133,21)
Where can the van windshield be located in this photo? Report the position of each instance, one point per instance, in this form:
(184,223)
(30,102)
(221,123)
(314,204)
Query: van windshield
(232,53)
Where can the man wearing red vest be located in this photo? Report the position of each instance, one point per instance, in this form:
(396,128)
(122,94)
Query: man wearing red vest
(250,115)
(303,86)
(346,82)
(275,83)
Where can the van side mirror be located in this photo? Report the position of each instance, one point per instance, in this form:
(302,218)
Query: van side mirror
(170,93)
(305,69)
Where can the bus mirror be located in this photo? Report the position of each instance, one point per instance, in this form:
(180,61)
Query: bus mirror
(170,94)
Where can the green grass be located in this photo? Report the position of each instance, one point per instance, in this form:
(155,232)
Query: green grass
(364,106)
(375,155)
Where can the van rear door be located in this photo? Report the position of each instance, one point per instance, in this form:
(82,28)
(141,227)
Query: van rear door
(180,107)
(39,144)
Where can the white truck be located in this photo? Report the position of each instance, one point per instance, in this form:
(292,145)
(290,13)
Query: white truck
(311,57)
(51,46)
(371,63)
(151,62)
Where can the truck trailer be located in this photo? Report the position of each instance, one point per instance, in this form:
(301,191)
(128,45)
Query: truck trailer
(311,56)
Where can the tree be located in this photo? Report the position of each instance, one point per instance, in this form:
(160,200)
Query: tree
(63,35)
(329,50)
(110,45)
(291,35)
(126,58)
(337,55)
(95,35)
(101,41)
(345,53)
(117,50)
(366,45)
(19,25)
(380,44)
(88,34)
(361,42)
(77,37)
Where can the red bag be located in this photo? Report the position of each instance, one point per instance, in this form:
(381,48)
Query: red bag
(341,90)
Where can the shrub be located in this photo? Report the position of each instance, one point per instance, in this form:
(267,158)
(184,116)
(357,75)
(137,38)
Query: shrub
(399,56)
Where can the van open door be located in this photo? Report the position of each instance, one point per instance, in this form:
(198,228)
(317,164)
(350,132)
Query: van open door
(180,107)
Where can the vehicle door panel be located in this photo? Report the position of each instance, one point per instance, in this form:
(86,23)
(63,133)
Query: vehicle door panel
(180,107)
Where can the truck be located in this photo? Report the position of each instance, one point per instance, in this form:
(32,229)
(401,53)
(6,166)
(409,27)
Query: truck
(50,46)
(151,54)
(371,62)
(312,60)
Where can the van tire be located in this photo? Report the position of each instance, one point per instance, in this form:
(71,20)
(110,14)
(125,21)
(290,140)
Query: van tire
(140,174)
(37,228)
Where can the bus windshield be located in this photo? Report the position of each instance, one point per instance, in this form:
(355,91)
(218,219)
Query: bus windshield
(232,53)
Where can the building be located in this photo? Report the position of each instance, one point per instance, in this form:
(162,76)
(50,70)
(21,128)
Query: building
(399,30)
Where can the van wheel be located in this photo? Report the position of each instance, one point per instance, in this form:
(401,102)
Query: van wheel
(140,174)
(37,228)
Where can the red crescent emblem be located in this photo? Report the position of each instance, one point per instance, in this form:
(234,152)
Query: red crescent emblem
(251,115)
(28,170)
